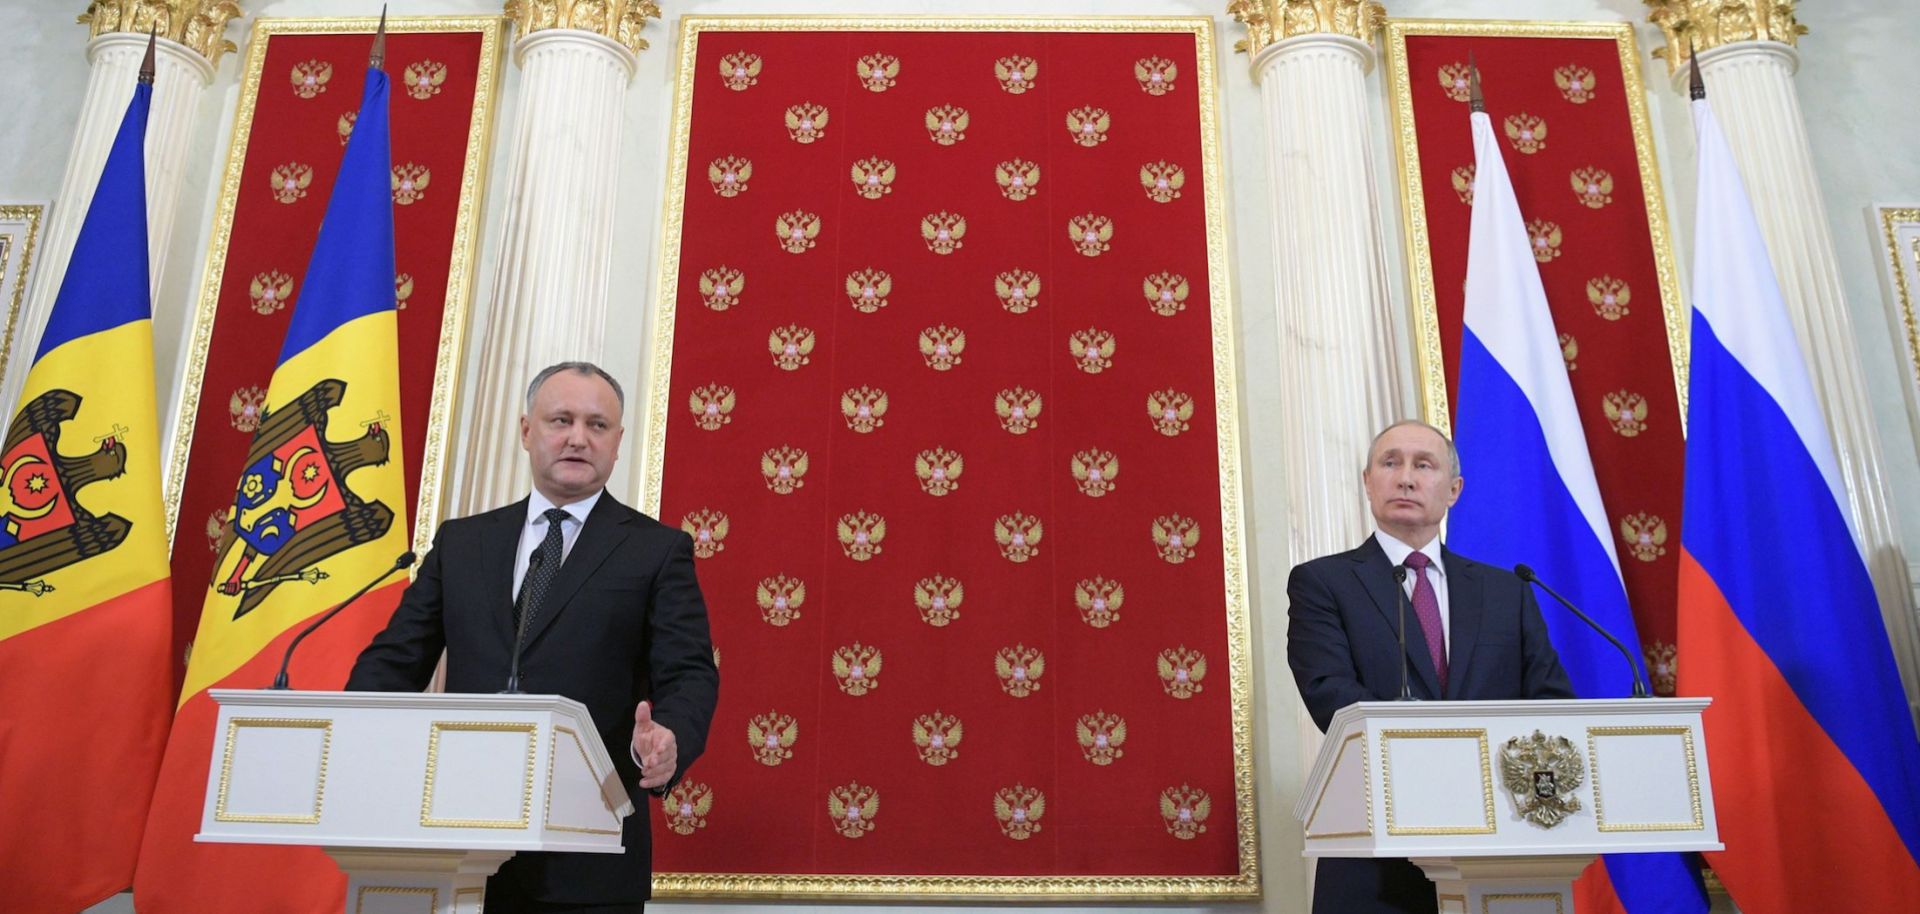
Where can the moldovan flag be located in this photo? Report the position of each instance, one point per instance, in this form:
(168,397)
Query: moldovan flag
(319,511)
(1816,773)
(84,625)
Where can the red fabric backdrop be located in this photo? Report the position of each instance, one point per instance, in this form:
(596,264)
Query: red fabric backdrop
(780,809)
(1594,240)
(297,129)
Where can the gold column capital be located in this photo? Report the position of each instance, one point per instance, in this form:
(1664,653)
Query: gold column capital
(1712,23)
(198,24)
(619,20)
(1268,21)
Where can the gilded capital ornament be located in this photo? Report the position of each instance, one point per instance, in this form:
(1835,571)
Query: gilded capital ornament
(619,20)
(1268,21)
(1712,23)
(198,24)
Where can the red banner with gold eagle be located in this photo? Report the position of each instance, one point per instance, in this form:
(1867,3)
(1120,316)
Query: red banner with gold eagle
(943,392)
(296,113)
(1570,105)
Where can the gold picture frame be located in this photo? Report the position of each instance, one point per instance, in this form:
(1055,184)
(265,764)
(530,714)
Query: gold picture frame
(19,237)
(1429,366)
(1243,885)
(463,260)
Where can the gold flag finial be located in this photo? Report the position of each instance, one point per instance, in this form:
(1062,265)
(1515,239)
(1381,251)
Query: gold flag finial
(1476,101)
(146,64)
(378,57)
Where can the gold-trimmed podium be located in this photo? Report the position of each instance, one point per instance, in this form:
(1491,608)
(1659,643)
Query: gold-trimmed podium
(413,795)
(1503,803)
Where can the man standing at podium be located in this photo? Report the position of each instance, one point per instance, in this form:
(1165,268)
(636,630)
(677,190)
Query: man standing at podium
(602,606)
(1473,632)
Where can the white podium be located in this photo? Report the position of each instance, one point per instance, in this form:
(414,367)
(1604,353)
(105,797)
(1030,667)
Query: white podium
(1503,803)
(418,797)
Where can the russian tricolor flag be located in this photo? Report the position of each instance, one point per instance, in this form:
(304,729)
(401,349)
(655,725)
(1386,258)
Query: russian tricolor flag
(1531,496)
(1816,769)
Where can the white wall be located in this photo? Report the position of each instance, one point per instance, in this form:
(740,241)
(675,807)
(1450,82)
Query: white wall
(1856,86)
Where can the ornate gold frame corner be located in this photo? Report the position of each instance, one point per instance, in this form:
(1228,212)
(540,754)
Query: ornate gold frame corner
(1901,276)
(460,276)
(1418,249)
(1244,885)
(17,262)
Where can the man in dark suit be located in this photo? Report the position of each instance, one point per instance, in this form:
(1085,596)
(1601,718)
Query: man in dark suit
(614,620)
(1474,632)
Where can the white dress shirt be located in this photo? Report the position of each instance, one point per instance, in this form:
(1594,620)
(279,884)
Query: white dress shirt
(535,530)
(1397,553)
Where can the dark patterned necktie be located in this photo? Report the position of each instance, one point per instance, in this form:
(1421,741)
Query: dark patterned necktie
(541,568)
(1426,607)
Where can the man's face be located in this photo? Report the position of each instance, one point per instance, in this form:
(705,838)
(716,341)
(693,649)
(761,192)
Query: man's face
(1410,483)
(572,435)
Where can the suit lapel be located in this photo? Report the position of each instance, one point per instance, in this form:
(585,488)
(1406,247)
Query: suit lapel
(1465,609)
(499,550)
(1376,575)
(606,528)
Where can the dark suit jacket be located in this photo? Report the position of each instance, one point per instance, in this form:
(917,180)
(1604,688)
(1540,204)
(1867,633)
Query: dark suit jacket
(1343,646)
(623,621)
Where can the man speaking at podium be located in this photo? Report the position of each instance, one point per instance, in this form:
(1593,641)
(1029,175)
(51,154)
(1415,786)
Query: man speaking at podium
(1473,632)
(600,604)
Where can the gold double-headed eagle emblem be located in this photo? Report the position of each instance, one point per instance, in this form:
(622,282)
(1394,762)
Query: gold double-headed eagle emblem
(1099,600)
(1543,775)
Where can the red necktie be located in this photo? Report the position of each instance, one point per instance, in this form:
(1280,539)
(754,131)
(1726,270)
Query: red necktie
(1426,607)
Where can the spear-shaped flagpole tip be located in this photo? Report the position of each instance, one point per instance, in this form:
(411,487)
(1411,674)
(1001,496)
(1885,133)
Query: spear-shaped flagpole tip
(1476,101)
(146,66)
(1696,84)
(379,55)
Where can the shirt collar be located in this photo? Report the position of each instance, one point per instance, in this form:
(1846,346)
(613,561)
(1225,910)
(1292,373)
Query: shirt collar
(1398,551)
(537,505)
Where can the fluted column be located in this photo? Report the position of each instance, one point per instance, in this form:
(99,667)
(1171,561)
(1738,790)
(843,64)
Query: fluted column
(189,44)
(1339,377)
(1746,55)
(550,285)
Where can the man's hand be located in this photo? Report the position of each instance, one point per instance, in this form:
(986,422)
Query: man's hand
(655,748)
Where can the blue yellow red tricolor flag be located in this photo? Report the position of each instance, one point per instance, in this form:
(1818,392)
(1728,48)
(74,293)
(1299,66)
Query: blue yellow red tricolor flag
(83,566)
(1816,771)
(318,511)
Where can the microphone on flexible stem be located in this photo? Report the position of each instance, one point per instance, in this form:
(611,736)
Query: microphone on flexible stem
(1400,590)
(1639,685)
(405,561)
(520,631)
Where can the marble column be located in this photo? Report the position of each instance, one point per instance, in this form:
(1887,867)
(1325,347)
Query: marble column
(1747,55)
(550,285)
(1339,374)
(1340,377)
(191,38)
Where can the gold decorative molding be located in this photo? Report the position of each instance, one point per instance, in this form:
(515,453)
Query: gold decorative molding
(1268,21)
(1245,884)
(198,24)
(620,20)
(1712,23)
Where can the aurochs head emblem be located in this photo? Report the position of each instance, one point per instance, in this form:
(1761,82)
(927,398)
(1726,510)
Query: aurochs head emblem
(292,508)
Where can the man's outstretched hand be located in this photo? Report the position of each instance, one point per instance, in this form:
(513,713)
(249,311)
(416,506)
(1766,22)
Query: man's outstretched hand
(655,748)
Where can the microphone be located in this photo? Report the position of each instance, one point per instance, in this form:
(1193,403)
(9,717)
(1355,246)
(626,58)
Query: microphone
(1639,685)
(405,561)
(1400,590)
(520,631)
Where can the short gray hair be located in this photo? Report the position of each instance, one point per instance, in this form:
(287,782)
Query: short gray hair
(583,368)
(1453,453)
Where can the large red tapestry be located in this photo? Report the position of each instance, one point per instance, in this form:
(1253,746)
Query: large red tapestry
(1568,99)
(297,105)
(943,393)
